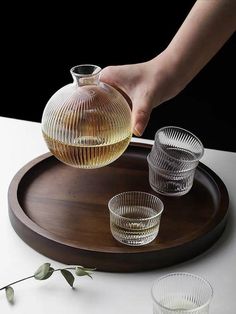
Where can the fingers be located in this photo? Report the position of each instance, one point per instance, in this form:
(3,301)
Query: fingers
(140,118)
(112,75)
(128,80)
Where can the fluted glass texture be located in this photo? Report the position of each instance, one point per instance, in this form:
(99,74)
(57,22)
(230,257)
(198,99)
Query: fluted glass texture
(176,149)
(169,182)
(173,160)
(181,293)
(135,217)
(87,124)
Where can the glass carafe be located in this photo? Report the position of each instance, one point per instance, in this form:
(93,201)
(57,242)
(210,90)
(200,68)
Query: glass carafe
(87,124)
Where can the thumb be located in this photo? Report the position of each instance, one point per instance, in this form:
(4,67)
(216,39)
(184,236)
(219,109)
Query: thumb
(109,75)
(140,118)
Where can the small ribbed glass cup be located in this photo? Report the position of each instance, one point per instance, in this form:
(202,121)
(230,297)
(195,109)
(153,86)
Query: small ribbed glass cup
(173,160)
(168,182)
(135,217)
(176,149)
(181,293)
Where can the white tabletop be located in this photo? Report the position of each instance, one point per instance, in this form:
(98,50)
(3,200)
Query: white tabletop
(116,293)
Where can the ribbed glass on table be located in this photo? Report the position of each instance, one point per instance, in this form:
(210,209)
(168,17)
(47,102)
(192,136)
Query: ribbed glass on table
(181,293)
(87,124)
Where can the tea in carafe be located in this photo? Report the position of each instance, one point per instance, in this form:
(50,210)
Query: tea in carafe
(87,124)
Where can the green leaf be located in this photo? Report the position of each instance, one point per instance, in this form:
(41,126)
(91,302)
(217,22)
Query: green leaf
(82,272)
(10,294)
(49,274)
(68,276)
(43,272)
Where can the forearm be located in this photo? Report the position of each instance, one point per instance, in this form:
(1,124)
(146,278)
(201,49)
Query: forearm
(207,27)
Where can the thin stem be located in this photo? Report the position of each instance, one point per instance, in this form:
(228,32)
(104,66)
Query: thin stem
(10,284)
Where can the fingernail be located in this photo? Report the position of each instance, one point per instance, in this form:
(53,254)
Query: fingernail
(137,130)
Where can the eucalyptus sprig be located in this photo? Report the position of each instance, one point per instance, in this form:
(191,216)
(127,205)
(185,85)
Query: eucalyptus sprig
(45,271)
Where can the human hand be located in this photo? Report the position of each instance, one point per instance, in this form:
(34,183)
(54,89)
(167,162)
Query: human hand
(146,84)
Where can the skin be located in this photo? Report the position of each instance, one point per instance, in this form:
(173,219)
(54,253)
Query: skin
(207,27)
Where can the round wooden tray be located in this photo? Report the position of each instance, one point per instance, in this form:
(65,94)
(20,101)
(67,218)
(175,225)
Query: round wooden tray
(62,213)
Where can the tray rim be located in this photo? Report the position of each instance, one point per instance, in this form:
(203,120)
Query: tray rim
(19,213)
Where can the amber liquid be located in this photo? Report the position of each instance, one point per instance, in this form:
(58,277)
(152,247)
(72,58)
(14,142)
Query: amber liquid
(84,156)
(136,230)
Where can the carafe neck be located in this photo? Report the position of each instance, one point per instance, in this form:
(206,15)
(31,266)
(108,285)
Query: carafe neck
(86,74)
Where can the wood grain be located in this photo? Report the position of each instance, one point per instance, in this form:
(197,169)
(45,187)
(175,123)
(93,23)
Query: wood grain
(62,213)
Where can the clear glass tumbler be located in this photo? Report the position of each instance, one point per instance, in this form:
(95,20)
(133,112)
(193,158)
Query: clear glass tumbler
(168,182)
(181,293)
(135,217)
(176,149)
(173,160)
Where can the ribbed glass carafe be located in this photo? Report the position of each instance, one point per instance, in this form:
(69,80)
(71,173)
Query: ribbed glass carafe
(87,124)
